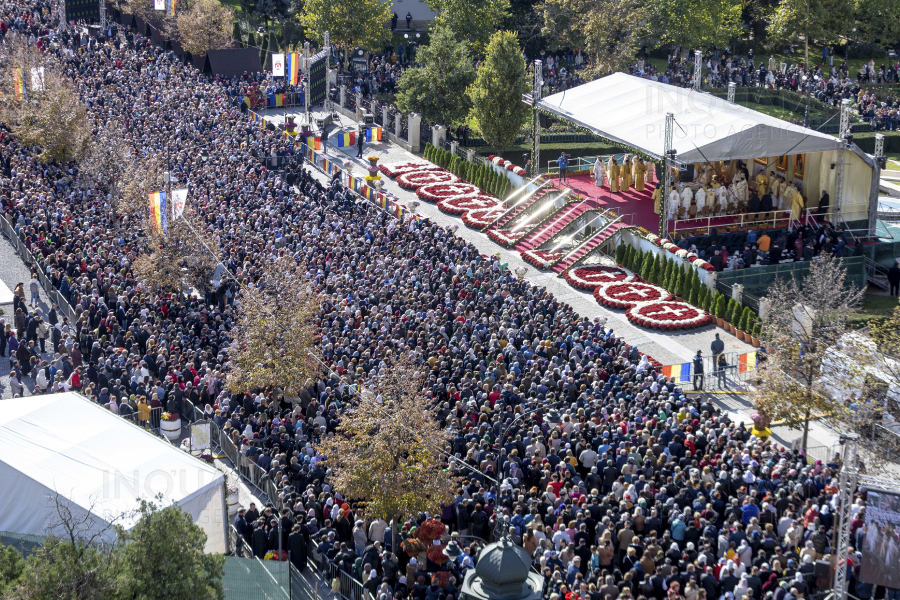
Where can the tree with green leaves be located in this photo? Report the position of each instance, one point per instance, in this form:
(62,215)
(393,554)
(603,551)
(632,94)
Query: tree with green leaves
(472,22)
(620,253)
(496,95)
(608,30)
(164,541)
(646,266)
(824,21)
(351,23)
(694,24)
(237,34)
(12,565)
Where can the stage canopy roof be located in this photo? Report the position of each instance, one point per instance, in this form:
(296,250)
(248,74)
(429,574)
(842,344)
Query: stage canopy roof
(98,462)
(632,111)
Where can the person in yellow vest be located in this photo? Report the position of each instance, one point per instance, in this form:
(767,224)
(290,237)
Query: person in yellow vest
(613,175)
(639,169)
(626,174)
(657,199)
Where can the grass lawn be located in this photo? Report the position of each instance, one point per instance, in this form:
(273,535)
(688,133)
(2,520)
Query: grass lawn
(235,4)
(876,307)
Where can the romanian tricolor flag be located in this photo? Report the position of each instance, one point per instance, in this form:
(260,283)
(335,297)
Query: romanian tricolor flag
(328,166)
(314,143)
(292,68)
(346,139)
(374,134)
(681,373)
(747,362)
(383,202)
(399,211)
(19,83)
(170,7)
(158,215)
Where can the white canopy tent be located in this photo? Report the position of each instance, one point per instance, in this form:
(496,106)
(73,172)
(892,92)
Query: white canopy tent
(632,111)
(96,462)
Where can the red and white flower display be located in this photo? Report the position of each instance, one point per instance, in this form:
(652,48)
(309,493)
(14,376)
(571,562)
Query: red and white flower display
(480,218)
(626,295)
(543,259)
(435,192)
(681,253)
(591,276)
(506,237)
(413,180)
(668,315)
(519,171)
(394,169)
(458,205)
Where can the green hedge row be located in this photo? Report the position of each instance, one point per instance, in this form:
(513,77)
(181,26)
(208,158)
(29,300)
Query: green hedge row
(481,176)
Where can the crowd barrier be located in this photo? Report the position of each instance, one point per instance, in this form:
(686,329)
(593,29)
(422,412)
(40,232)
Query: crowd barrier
(55,297)
(738,371)
(349,587)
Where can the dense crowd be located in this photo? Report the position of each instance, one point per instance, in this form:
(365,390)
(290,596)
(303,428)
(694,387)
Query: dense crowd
(568,440)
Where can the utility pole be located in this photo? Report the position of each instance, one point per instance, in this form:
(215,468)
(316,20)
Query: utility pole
(698,69)
(847,487)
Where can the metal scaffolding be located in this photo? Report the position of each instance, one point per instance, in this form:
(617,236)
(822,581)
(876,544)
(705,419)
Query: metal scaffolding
(847,488)
(698,69)
(537,85)
(667,162)
(732,87)
(839,174)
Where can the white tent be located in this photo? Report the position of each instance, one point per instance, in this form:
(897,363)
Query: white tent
(97,462)
(632,111)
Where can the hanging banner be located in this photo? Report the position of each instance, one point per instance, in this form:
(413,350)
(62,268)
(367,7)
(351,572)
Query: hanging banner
(37,78)
(158,217)
(179,199)
(278,65)
(159,4)
(19,84)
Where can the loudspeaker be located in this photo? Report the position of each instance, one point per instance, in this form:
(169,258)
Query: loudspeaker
(687,175)
(822,569)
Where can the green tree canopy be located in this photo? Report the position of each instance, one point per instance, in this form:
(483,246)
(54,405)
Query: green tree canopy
(496,95)
(435,90)
(472,21)
(351,23)
(695,24)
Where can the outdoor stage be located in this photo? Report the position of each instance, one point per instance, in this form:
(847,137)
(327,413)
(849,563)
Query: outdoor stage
(635,203)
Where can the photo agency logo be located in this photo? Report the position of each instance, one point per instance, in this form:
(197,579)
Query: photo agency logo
(172,485)
(701,117)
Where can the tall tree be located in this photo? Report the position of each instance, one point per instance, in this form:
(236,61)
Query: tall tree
(165,541)
(694,24)
(496,95)
(274,339)
(205,26)
(608,30)
(351,23)
(824,21)
(800,331)
(389,450)
(472,21)
(435,89)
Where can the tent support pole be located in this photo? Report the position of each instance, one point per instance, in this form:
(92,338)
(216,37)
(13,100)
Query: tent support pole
(668,152)
(535,117)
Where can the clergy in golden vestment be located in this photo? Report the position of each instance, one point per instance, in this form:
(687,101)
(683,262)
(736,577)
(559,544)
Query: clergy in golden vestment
(798,203)
(657,199)
(639,169)
(762,184)
(613,175)
(626,174)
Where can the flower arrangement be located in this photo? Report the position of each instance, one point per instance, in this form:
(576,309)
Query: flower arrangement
(441,578)
(435,554)
(681,253)
(281,555)
(459,205)
(431,529)
(480,218)
(519,171)
(434,192)
(412,546)
(626,295)
(506,237)
(167,416)
(667,315)
(231,489)
(592,276)
(543,259)
(413,180)
(395,169)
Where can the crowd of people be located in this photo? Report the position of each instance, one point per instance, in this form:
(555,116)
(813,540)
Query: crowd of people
(569,441)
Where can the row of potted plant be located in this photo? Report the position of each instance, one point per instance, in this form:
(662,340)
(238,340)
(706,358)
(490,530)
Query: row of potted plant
(684,283)
(483,176)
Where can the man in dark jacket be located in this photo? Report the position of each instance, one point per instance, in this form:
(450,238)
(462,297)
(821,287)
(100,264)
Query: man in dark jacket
(260,540)
(894,279)
(463,522)
(297,548)
(698,371)
(717,262)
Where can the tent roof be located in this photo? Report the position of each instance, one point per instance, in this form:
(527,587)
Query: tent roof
(233,61)
(632,111)
(95,460)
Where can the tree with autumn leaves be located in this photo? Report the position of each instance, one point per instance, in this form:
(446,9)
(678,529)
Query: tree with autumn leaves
(389,450)
(275,336)
(803,329)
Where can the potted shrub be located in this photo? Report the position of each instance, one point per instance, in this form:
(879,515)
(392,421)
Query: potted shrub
(232,499)
(720,309)
(755,337)
(740,323)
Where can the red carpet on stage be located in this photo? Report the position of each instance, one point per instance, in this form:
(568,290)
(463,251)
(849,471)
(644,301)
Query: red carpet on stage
(639,204)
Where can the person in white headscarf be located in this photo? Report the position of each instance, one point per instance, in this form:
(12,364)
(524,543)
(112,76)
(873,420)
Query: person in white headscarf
(599,169)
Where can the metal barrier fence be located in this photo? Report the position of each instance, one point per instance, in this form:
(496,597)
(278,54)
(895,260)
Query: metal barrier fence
(770,220)
(55,297)
(349,588)
(249,471)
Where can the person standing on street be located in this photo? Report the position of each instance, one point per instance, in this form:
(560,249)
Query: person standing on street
(717,347)
(325,140)
(563,165)
(360,140)
(698,371)
(894,279)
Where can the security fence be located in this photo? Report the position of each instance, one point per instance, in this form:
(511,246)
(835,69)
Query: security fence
(756,279)
(736,374)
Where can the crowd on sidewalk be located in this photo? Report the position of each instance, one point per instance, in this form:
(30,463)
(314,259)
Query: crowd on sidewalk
(617,483)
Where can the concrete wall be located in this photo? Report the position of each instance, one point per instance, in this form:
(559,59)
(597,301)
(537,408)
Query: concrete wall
(421,13)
